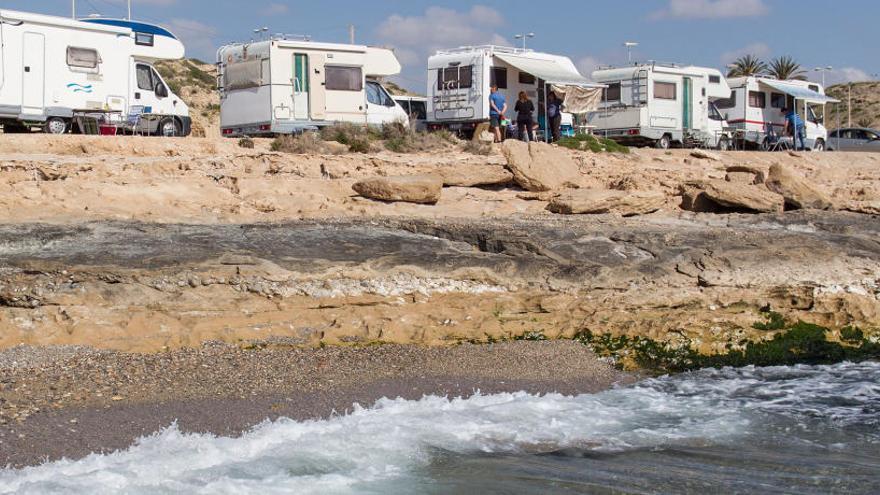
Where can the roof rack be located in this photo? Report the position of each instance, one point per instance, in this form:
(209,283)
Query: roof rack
(636,65)
(475,48)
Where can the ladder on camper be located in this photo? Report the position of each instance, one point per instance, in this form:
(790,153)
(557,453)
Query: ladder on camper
(640,88)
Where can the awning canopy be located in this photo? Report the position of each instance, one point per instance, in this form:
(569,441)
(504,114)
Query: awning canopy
(799,92)
(581,96)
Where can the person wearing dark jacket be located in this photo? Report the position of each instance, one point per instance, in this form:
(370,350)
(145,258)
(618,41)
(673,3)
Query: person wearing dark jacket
(554,115)
(524,120)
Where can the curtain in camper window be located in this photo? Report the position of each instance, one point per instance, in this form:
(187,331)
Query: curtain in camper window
(84,58)
(144,77)
(344,78)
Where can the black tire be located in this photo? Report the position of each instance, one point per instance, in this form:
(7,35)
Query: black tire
(56,125)
(819,147)
(169,127)
(15,128)
(664,143)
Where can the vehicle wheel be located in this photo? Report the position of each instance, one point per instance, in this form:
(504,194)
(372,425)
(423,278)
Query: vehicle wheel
(819,146)
(724,144)
(55,125)
(765,145)
(664,143)
(169,127)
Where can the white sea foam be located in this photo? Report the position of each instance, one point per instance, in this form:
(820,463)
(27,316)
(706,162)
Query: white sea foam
(392,441)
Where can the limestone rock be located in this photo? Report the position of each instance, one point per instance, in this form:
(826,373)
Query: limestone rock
(744,174)
(728,197)
(597,201)
(865,207)
(469,175)
(798,193)
(423,189)
(539,166)
(705,155)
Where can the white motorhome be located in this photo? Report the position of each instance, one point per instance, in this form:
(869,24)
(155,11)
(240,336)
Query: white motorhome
(755,107)
(459,82)
(662,105)
(53,68)
(284,86)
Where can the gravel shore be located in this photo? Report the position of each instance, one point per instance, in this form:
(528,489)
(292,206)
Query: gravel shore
(67,402)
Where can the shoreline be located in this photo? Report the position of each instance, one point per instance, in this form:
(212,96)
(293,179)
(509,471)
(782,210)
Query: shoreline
(258,385)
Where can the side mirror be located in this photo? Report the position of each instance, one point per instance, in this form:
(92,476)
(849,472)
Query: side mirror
(161,90)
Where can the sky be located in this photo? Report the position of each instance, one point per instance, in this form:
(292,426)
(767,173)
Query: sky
(712,33)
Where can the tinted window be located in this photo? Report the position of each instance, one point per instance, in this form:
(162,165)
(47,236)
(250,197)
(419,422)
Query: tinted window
(714,114)
(833,134)
(84,58)
(145,77)
(455,77)
(499,77)
(144,39)
(664,91)
(613,92)
(526,78)
(404,104)
(777,100)
(727,102)
(757,99)
(813,87)
(419,109)
(344,78)
(715,79)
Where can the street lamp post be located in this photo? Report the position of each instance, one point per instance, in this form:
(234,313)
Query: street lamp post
(524,37)
(823,70)
(629,47)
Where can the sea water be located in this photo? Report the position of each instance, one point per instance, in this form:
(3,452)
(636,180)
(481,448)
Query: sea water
(797,430)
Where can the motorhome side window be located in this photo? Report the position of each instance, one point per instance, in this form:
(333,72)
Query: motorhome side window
(715,79)
(144,39)
(757,99)
(499,77)
(777,100)
(344,78)
(613,92)
(83,58)
(145,77)
(526,78)
(455,77)
(664,90)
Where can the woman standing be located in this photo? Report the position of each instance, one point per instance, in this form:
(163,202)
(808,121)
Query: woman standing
(524,120)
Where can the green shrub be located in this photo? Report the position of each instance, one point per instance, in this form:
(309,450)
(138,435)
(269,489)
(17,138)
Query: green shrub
(584,142)
(246,142)
(359,145)
(775,321)
(305,143)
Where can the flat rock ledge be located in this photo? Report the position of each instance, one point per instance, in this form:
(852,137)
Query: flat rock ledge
(421,189)
(597,201)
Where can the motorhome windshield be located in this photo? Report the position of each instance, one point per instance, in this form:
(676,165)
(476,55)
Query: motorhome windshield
(714,114)
(377,95)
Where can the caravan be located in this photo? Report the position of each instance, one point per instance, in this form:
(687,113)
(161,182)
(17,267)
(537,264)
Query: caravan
(283,86)
(459,84)
(755,109)
(662,105)
(53,69)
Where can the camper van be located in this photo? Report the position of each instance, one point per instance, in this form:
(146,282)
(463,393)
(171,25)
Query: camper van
(285,86)
(662,105)
(53,69)
(755,109)
(459,82)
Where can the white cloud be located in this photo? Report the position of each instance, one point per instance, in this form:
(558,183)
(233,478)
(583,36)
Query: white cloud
(760,50)
(711,9)
(414,38)
(274,9)
(840,76)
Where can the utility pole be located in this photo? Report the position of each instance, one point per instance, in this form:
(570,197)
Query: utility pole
(351,33)
(129,10)
(849,106)
(629,48)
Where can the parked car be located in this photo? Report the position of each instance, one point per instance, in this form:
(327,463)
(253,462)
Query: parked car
(856,139)
(417,109)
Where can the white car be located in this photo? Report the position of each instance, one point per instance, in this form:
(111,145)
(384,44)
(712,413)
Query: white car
(854,139)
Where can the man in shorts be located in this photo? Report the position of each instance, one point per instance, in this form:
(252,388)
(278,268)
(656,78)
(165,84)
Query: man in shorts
(497,109)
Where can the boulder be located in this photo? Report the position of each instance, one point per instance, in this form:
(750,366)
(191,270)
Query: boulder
(705,155)
(798,193)
(470,175)
(540,167)
(728,197)
(864,207)
(423,189)
(598,201)
(744,174)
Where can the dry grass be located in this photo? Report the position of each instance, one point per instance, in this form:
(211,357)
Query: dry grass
(301,144)
(477,147)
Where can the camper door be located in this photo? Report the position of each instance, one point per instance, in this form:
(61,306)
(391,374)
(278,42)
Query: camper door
(666,107)
(33,80)
(150,91)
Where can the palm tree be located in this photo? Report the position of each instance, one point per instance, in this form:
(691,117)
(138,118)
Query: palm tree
(748,65)
(785,68)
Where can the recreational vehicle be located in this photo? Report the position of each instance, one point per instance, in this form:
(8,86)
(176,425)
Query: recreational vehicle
(284,86)
(459,83)
(53,69)
(755,109)
(417,109)
(662,105)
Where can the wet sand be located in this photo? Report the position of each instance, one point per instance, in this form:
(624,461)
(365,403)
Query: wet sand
(70,402)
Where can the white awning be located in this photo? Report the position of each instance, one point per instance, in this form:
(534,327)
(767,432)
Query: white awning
(581,96)
(799,92)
